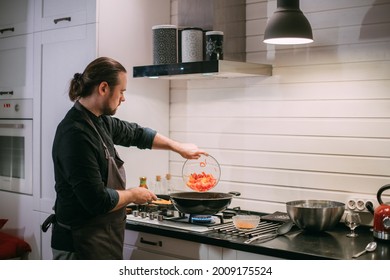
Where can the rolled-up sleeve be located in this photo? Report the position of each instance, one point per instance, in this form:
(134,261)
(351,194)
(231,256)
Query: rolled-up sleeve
(113,194)
(131,134)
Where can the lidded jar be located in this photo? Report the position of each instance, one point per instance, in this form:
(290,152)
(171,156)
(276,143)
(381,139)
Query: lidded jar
(164,44)
(191,44)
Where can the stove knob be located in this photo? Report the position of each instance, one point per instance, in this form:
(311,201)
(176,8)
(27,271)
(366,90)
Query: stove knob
(135,213)
(143,214)
(160,218)
(182,215)
(386,222)
(153,215)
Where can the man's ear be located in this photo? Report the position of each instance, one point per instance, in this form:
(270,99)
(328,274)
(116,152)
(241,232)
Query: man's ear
(103,88)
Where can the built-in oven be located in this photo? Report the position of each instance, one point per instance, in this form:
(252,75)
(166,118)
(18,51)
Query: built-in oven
(16,136)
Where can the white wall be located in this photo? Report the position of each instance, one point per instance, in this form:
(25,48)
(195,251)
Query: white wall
(317,129)
(128,37)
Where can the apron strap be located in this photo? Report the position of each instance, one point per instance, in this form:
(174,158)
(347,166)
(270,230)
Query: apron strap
(116,171)
(88,119)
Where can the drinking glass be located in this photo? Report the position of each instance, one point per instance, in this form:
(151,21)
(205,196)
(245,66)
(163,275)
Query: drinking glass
(352,220)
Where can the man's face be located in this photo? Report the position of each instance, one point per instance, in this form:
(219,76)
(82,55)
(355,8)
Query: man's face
(116,95)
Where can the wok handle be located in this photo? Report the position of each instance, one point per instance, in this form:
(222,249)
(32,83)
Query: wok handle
(235,193)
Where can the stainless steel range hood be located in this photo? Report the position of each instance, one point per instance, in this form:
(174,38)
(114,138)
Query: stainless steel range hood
(203,69)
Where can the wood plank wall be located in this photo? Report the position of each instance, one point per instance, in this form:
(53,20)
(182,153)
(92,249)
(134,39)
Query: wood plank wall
(319,128)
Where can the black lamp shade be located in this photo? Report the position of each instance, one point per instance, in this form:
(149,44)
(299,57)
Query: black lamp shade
(288,25)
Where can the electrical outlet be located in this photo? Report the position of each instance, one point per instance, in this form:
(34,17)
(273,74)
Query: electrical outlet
(359,203)
(351,204)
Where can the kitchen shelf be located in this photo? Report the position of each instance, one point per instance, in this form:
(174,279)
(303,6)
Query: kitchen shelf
(203,69)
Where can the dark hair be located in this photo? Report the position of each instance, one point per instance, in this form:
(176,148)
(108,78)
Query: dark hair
(102,69)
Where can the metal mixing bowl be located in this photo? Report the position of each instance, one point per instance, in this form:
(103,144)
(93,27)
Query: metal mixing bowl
(315,215)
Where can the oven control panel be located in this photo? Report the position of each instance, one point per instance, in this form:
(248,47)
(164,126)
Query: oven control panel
(16,109)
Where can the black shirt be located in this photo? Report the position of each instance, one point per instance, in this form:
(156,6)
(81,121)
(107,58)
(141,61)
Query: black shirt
(80,165)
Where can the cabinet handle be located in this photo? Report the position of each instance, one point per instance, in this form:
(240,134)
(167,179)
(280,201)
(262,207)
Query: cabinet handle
(11,92)
(159,243)
(57,20)
(7,29)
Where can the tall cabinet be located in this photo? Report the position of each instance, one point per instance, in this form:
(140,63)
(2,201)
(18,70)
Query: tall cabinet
(68,34)
(64,42)
(61,48)
(16,82)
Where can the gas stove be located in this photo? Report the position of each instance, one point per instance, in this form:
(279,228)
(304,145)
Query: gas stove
(166,216)
(179,224)
(221,223)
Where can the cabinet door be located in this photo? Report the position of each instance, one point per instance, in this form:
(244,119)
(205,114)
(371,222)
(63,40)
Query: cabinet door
(16,67)
(53,14)
(16,17)
(43,239)
(139,254)
(231,254)
(60,54)
(150,246)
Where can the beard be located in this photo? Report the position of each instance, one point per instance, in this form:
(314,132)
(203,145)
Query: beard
(107,109)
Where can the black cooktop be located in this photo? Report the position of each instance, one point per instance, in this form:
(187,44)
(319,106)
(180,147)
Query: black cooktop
(297,244)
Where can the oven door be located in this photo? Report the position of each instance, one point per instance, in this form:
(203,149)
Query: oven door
(16,155)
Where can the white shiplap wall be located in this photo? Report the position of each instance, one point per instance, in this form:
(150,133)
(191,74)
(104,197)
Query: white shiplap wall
(318,128)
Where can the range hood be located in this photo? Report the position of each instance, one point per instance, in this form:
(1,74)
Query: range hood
(203,69)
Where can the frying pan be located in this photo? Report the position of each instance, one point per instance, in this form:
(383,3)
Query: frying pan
(202,203)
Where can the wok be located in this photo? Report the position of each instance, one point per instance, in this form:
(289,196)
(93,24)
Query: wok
(202,203)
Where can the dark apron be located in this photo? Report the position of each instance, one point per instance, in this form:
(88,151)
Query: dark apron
(102,237)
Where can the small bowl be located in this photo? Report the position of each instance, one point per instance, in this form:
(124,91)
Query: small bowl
(246,222)
(201,174)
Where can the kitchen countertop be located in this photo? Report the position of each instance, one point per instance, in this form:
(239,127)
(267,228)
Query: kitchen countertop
(297,244)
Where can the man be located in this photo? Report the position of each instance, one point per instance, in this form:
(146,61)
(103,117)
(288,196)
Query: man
(90,180)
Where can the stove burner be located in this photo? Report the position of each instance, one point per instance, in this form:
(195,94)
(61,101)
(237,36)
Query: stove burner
(200,219)
(153,212)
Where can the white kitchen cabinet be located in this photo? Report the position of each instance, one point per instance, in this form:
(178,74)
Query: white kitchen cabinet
(16,49)
(59,54)
(45,251)
(16,67)
(146,246)
(53,14)
(231,254)
(16,17)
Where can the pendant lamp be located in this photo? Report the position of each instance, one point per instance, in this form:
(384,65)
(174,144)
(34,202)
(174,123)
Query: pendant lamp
(288,25)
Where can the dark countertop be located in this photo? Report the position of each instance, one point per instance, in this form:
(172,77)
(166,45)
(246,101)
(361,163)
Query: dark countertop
(297,244)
